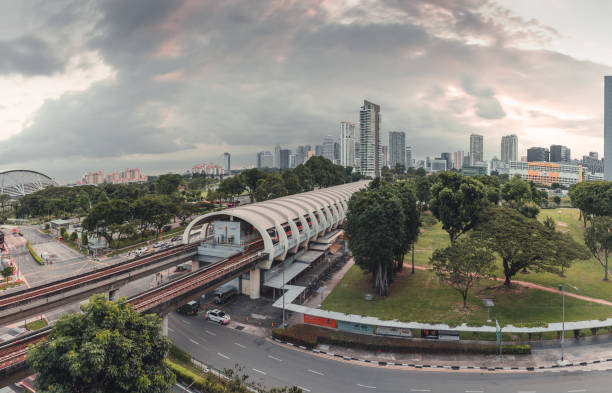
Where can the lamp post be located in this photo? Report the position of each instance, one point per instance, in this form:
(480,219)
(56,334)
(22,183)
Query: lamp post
(562,289)
(283,295)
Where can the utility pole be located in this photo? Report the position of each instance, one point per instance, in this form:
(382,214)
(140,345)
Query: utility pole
(562,289)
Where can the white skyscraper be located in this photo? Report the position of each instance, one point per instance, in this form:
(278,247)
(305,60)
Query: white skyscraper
(607,128)
(277,156)
(409,157)
(397,149)
(509,148)
(457,159)
(347,143)
(476,149)
(369,140)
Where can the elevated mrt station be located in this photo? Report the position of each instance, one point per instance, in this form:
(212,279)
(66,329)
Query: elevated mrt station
(281,230)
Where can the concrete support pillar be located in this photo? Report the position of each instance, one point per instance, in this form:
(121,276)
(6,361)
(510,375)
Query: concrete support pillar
(254,282)
(164,326)
(112,294)
(195,265)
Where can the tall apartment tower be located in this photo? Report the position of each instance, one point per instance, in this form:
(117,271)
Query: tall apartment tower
(328,148)
(397,149)
(509,148)
(369,139)
(457,159)
(476,154)
(277,156)
(560,153)
(347,143)
(226,159)
(607,128)
(408,157)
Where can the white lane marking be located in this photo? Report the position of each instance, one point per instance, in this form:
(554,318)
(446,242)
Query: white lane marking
(366,386)
(474,391)
(576,390)
(185,322)
(526,391)
(240,345)
(420,390)
(195,342)
(315,372)
(211,333)
(273,358)
(171,330)
(259,371)
(222,355)
(303,388)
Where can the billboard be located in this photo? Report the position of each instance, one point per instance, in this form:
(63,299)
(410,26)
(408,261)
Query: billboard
(311,319)
(392,331)
(355,327)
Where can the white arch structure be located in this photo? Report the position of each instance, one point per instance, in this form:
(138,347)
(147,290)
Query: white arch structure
(329,205)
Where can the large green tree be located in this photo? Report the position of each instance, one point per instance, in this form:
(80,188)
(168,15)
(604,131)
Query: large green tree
(271,187)
(598,238)
(107,348)
(462,264)
(457,202)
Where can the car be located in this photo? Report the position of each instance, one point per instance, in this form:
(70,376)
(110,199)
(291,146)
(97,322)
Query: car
(176,239)
(189,308)
(217,316)
(158,244)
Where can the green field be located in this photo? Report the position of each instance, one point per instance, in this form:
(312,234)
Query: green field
(422,297)
(586,275)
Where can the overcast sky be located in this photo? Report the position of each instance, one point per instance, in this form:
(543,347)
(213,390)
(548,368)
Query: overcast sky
(163,85)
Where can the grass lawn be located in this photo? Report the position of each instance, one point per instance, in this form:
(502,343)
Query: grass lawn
(586,275)
(422,297)
(36,325)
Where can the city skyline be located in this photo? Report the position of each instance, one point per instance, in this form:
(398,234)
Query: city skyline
(90,85)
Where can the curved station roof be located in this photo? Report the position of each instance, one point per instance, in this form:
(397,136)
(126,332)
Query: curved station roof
(325,209)
(22,182)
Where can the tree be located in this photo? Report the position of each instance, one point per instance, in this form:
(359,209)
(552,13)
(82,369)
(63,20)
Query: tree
(557,200)
(168,184)
(271,187)
(292,182)
(457,202)
(598,239)
(525,243)
(422,188)
(4,200)
(516,192)
(7,272)
(231,187)
(107,348)
(592,198)
(250,177)
(462,264)
(409,230)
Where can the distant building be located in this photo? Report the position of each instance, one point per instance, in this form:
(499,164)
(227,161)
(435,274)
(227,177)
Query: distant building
(457,159)
(476,149)
(438,165)
(129,175)
(608,127)
(538,154)
(301,153)
(336,153)
(448,158)
(277,155)
(284,158)
(409,163)
(347,143)
(328,148)
(397,149)
(357,153)
(319,150)
(592,164)
(292,161)
(547,172)
(385,156)
(473,170)
(265,159)
(509,148)
(369,139)
(560,153)
(226,159)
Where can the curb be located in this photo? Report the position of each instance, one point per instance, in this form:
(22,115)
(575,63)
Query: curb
(452,368)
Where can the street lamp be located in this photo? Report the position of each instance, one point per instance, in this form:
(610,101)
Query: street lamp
(283,295)
(562,289)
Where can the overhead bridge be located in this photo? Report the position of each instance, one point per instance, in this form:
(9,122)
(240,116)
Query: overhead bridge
(20,305)
(160,300)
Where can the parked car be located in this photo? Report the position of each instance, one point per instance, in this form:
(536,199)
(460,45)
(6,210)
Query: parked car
(176,239)
(158,244)
(190,308)
(224,293)
(218,316)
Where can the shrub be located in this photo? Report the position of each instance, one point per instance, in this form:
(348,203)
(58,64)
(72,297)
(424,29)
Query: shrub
(179,354)
(36,257)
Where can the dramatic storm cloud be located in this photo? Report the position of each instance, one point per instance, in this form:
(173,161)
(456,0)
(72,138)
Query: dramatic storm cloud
(163,85)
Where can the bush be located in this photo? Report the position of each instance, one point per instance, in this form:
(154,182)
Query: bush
(310,336)
(208,383)
(36,257)
(179,354)
(166,228)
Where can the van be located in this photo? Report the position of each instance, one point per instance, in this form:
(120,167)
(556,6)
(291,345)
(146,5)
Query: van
(223,294)
(190,308)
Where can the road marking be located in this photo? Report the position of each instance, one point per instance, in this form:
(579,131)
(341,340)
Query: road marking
(303,388)
(211,333)
(185,322)
(171,330)
(195,342)
(576,391)
(240,345)
(422,390)
(366,386)
(474,391)
(222,355)
(259,371)
(26,281)
(315,372)
(526,391)
(277,359)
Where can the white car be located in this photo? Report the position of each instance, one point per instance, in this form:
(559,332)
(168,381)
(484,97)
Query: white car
(158,244)
(217,316)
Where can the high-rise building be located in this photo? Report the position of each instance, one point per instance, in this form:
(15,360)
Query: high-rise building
(300,154)
(409,163)
(319,150)
(458,159)
(607,128)
(277,154)
(292,161)
(448,158)
(328,148)
(284,158)
(592,163)
(370,154)
(347,143)
(476,149)
(509,148)
(538,154)
(265,159)
(226,159)
(385,156)
(560,153)
(336,153)
(397,149)
(357,153)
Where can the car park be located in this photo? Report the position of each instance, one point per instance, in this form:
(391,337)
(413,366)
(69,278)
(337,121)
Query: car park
(218,316)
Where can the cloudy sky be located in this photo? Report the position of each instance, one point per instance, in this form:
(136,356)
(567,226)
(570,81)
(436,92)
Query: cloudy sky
(163,85)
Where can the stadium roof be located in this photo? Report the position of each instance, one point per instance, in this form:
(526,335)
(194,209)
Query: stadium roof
(21,182)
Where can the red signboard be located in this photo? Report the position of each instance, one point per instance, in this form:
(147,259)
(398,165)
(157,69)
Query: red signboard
(319,321)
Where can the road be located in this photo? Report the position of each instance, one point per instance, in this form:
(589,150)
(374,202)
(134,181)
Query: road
(275,365)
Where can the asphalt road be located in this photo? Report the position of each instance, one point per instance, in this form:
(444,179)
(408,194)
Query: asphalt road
(274,365)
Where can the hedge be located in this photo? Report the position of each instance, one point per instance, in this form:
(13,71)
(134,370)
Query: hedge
(310,336)
(207,383)
(179,354)
(36,257)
